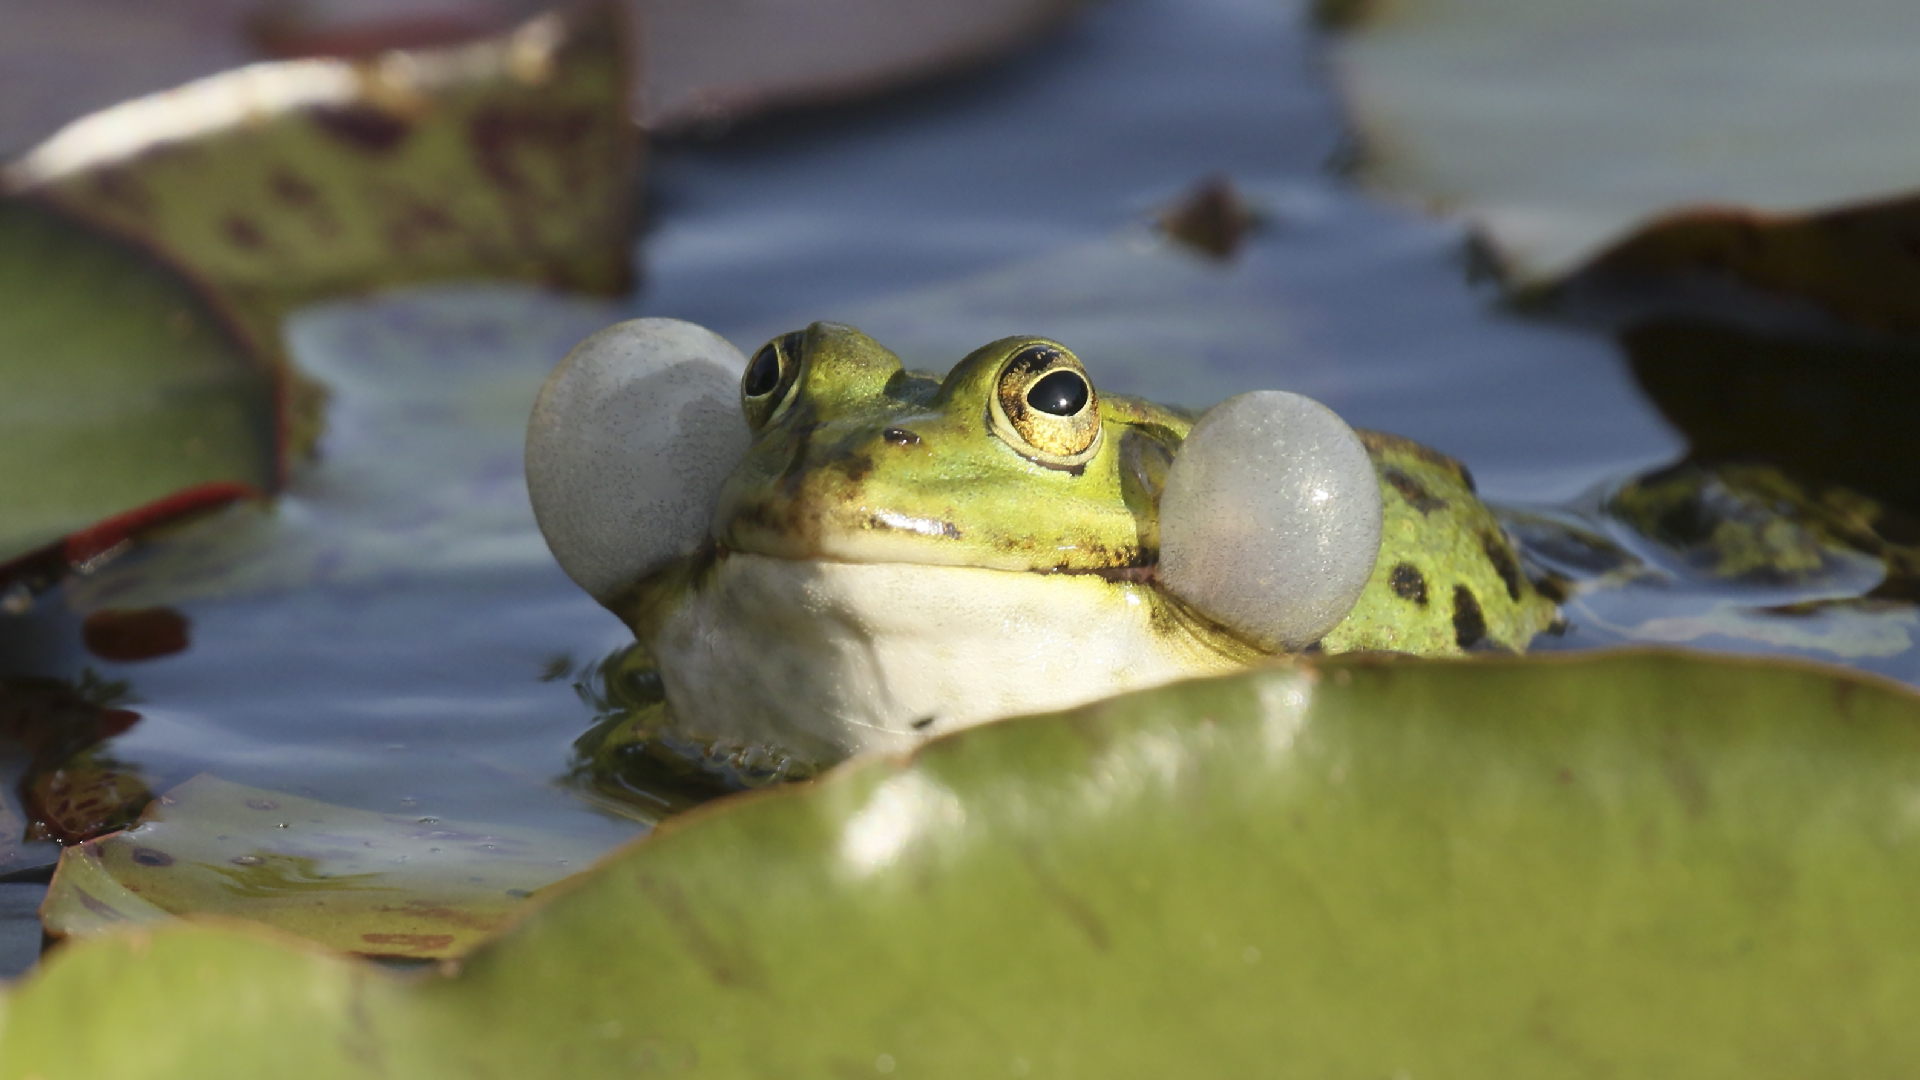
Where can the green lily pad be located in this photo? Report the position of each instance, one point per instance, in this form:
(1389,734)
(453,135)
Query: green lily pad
(124,385)
(1633,863)
(132,397)
(286,181)
(1559,127)
(354,880)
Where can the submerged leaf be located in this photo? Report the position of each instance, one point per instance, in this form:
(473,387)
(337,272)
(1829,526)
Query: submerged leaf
(1638,863)
(1559,127)
(355,880)
(81,796)
(1733,554)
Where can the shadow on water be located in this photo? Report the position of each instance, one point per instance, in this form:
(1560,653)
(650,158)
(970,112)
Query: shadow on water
(1840,411)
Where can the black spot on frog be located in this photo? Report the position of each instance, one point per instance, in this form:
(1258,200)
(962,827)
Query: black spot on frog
(1469,623)
(1411,490)
(1409,584)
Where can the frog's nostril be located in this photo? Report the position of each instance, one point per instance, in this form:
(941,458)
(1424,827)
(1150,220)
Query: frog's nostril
(900,437)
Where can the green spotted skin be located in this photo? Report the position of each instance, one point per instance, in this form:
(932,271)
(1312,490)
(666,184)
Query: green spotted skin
(1448,579)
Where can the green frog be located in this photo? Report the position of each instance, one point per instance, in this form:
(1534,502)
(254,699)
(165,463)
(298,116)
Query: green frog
(821,552)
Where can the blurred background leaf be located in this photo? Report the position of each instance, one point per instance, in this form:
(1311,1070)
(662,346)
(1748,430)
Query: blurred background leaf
(125,383)
(1560,128)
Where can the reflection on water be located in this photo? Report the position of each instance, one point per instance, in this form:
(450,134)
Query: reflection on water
(1735,557)
(1837,405)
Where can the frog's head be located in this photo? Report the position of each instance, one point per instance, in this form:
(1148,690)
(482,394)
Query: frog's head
(1007,463)
(655,439)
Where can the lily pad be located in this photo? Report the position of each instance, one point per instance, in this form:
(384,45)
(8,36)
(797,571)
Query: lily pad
(131,392)
(1641,863)
(1560,127)
(286,181)
(354,880)
(126,385)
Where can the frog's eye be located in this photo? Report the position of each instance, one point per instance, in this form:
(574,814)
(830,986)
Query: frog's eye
(629,443)
(767,385)
(1045,408)
(1270,519)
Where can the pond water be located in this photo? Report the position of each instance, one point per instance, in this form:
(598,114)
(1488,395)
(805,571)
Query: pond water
(393,636)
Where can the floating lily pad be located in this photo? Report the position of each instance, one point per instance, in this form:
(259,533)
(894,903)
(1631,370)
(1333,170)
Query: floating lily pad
(124,385)
(1855,264)
(1636,863)
(127,387)
(1560,127)
(381,884)
(282,182)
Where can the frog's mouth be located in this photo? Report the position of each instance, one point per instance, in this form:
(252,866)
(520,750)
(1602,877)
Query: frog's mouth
(797,531)
(1136,573)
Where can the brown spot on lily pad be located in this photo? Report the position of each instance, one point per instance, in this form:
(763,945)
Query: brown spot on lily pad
(243,233)
(363,127)
(147,856)
(292,190)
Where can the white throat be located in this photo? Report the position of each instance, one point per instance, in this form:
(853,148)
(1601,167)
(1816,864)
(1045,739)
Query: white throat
(828,659)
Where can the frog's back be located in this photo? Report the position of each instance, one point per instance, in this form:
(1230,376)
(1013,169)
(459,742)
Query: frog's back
(1448,579)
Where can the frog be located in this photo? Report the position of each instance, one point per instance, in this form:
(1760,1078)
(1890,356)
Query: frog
(821,553)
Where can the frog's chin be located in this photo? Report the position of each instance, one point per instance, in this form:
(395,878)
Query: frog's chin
(827,659)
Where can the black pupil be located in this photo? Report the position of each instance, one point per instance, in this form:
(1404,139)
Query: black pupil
(1062,393)
(763,372)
